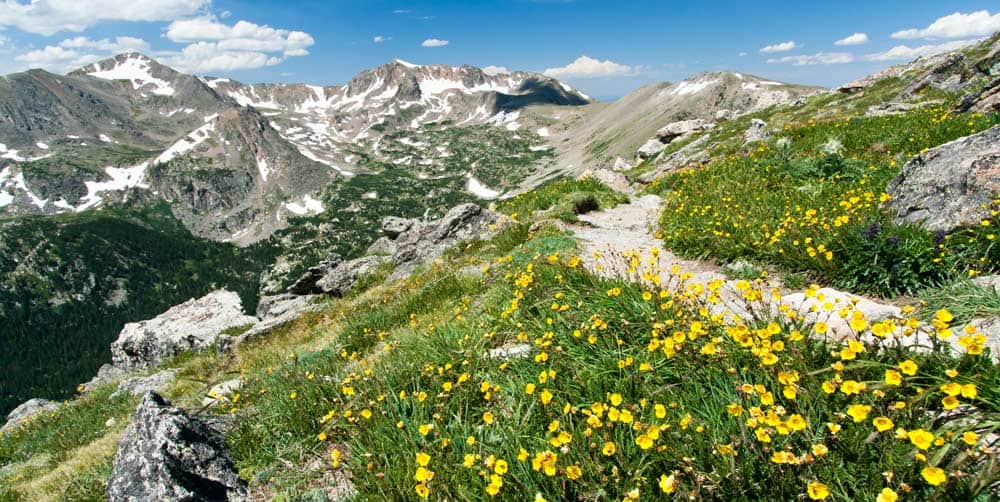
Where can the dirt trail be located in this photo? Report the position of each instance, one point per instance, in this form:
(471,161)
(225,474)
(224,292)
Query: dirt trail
(620,243)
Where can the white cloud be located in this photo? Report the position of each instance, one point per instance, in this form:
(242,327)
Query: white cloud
(587,67)
(906,53)
(434,42)
(743,54)
(242,46)
(379,39)
(242,36)
(401,11)
(203,57)
(956,25)
(495,70)
(47,17)
(855,39)
(72,53)
(818,58)
(782,47)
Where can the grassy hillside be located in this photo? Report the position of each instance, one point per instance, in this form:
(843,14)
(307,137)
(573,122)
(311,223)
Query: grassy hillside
(623,393)
(811,200)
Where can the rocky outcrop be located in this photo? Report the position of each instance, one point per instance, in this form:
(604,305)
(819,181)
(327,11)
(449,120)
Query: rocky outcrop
(948,74)
(984,100)
(306,285)
(429,239)
(165,454)
(756,132)
(274,311)
(950,186)
(695,152)
(383,246)
(392,226)
(650,149)
(674,131)
(341,279)
(194,324)
(27,411)
(682,129)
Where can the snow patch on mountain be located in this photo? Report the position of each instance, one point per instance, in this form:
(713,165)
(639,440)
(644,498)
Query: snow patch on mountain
(187,143)
(687,87)
(135,69)
(121,179)
(477,188)
(309,205)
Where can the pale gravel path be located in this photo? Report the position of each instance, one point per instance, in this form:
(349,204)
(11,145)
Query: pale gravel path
(620,243)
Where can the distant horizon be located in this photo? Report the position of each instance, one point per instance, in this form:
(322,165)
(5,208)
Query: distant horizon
(605,51)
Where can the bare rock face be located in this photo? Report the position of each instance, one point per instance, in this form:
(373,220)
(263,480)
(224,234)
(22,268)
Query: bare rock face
(948,74)
(425,240)
(306,285)
(383,245)
(950,186)
(26,411)
(392,226)
(341,279)
(165,454)
(191,325)
(650,149)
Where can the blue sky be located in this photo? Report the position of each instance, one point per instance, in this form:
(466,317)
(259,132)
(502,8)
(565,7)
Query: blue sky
(605,48)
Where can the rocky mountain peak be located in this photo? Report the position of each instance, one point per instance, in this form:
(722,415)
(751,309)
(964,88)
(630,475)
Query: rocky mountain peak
(145,73)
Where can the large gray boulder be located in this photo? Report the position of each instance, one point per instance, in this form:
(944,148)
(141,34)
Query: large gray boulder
(650,149)
(682,129)
(165,454)
(306,285)
(341,279)
(392,226)
(695,152)
(26,411)
(192,325)
(950,186)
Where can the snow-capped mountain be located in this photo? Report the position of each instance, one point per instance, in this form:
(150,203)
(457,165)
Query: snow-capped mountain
(236,160)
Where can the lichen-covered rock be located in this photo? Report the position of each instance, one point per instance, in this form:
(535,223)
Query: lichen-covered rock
(382,246)
(948,74)
(950,186)
(306,285)
(194,324)
(681,129)
(425,240)
(392,226)
(650,149)
(26,411)
(165,454)
(341,279)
